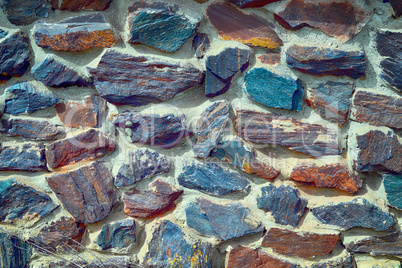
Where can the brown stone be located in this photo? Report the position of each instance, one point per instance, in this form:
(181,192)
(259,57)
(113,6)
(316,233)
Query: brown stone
(271,58)
(77,5)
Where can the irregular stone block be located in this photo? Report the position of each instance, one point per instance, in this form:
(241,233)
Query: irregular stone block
(268,128)
(87,193)
(24,157)
(326,61)
(75,34)
(118,236)
(397,7)
(221,221)
(283,202)
(21,12)
(3,33)
(273,90)
(251,3)
(104,261)
(335,176)
(270,58)
(356,213)
(88,145)
(77,5)
(158,199)
(30,129)
(201,45)
(297,244)
(250,29)
(123,79)
(393,188)
(14,251)
(345,262)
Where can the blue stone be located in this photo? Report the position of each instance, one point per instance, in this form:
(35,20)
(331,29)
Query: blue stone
(22,12)
(393,188)
(25,157)
(118,235)
(14,252)
(234,151)
(3,33)
(273,90)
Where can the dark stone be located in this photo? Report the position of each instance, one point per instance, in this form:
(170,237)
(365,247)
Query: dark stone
(222,67)
(221,221)
(345,262)
(87,193)
(326,61)
(284,204)
(123,79)
(77,5)
(119,235)
(397,7)
(251,3)
(20,12)
(201,45)
(21,204)
(3,33)
(393,189)
(273,90)
(30,129)
(269,128)
(14,252)
(356,213)
(270,58)
(24,157)
(75,34)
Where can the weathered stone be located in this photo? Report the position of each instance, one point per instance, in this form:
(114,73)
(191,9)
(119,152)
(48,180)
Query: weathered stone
(87,193)
(26,98)
(342,19)
(284,204)
(221,221)
(222,67)
(77,5)
(397,7)
(75,34)
(335,176)
(268,128)
(345,262)
(209,128)
(14,252)
(356,213)
(21,204)
(123,79)
(89,113)
(24,157)
(270,58)
(250,29)
(201,45)
(20,12)
(273,90)
(169,247)
(326,61)
(3,33)
(118,236)
(30,129)
(158,199)
(251,3)
(99,261)
(159,25)
(303,245)
(88,145)
(331,101)
(388,245)
(393,188)
(164,131)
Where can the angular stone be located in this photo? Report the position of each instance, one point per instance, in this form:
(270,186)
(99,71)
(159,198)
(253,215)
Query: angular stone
(75,34)
(158,199)
(118,236)
(345,262)
(99,261)
(335,176)
(21,204)
(250,29)
(397,7)
(326,61)
(209,128)
(3,33)
(251,3)
(89,113)
(356,213)
(270,58)
(159,25)
(30,129)
(221,221)
(284,204)
(123,79)
(331,101)
(297,244)
(201,45)
(170,247)
(27,97)
(341,19)
(24,157)
(386,245)
(77,5)
(164,131)
(268,128)
(21,12)
(87,193)
(393,188)
(85,146)
(273,90)
(143,164)
(222,67)
(14,252)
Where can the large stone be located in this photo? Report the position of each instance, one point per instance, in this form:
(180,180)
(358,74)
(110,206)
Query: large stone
(85,146)
(397,7)
(201,45)
(393,189)
(87,193)
(20,12)
(250,29)
(30,129)
(273,90)
(97,262)
(269,128)
(77,5)
(251,3)
(284,204)
(299,244)
(335,176)
(14,252)
(123,79)
(24,157)
(356,213)
(75,34)
(326,61)
(118,236)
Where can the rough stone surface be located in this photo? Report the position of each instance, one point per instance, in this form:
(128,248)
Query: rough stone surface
(345,262)
(251,3)
(118,236)
(201,45)
(270,58)
(109,262)
(21,12)
(30,129)
(14,252)
(24,157)
(77,5)
(393,188)
(3,33)
(397,7)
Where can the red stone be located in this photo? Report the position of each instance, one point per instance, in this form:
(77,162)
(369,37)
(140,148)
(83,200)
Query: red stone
(251,3)
(76,5)
(271,58)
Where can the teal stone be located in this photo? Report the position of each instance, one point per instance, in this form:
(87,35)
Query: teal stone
(14,252)
(118,235)
(393,188)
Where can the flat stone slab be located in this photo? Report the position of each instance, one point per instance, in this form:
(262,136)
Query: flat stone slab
(201,44)
(77,5)
(251,3)
(30,129)
(123,79)
(393,189)
(14,251)
(118,236)
(23,157)
(21,12)
(345,262)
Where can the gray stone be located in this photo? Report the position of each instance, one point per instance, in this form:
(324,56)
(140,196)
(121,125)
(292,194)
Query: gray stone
(30,129)
(24,157)
(118,236)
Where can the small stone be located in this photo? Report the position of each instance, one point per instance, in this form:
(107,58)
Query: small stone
(88,145)
(30,129)
(356,213)
(297,244)
(75,34)
(3,33)
(158,199)
(77,5)
(23,157)
(284,204)
(14,252)
(87,193)
(335,176)
(273,90)
(393,189)
(397,7)
(118,236)
(201,45)
(21,12)
(251,3)
(345,262)
(250,29)
(270,58)
(97,262)
(21,204)
(326,61)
